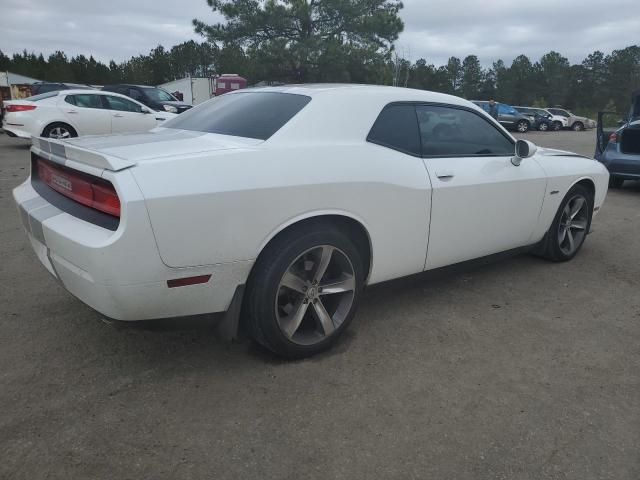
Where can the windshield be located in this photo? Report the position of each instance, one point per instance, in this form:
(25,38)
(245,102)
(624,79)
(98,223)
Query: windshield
(247,114)
(159,95)
(42,96)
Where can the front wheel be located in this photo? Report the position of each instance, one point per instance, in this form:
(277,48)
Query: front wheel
(543,127)
(557,126)
(570,226)
(304,290)
(522,126)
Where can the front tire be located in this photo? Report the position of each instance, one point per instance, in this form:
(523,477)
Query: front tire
(570,226)
(557,126)
(59,130)
(543,127)
(577,127)
(304,290)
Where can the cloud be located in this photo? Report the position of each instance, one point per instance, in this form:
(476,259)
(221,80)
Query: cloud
(434,29)
(493,29)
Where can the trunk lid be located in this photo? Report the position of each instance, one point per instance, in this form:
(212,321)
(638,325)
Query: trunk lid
(117,152)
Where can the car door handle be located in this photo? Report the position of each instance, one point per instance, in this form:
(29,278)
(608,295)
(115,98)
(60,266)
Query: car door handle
(72,111)
(444,175)
(119,115)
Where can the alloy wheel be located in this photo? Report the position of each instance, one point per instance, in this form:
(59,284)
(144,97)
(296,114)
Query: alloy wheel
(315,295)
(522,127)
(573,224)
(543,127)
(59,132)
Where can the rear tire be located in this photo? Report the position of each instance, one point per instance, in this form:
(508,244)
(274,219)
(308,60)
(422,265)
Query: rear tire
(616,182)
(522,126)
(59,130)
(577,127)
(288,307)
(557,126)
(570,226)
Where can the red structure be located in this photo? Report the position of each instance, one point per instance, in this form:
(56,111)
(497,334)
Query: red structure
(227,82)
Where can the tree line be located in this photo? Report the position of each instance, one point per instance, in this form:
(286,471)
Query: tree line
(347,41)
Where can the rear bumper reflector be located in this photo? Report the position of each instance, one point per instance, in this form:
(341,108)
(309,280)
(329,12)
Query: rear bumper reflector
(183,282)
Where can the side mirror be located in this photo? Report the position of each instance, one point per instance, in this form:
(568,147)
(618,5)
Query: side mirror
(146,110)
(524,149)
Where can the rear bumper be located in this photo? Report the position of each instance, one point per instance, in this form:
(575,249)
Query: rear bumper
(120,274)
(619,164)
(16,131)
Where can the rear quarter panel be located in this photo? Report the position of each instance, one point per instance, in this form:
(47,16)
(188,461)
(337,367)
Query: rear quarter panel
(225,206)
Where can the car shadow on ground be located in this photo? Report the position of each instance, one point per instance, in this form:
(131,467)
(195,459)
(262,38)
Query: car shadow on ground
(192,339)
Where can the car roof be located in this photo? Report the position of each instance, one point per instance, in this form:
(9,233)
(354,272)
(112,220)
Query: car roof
(346,112)
(129,85)
(390,94)
(84,91)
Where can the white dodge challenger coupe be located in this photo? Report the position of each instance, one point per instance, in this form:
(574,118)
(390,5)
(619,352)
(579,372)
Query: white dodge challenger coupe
(283,203)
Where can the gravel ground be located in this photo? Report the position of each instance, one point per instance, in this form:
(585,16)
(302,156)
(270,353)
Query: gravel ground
(518,369)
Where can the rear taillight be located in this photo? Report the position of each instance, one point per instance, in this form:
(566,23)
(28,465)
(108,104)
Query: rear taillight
(90,191)
(613,138)
(19,108)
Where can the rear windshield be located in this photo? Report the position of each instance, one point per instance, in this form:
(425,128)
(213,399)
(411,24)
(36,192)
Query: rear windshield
(247,114)
(42,96)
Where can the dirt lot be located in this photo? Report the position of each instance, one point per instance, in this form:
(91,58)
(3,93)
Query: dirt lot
(520,369)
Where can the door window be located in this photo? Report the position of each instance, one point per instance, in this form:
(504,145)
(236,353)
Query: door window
(85,100)
(453,132)
(122,104)
(506,110)
(135,94)
(396,127)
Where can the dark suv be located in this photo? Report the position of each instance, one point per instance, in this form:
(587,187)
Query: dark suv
(540,119)
(46,87)
(153,97)
(508,116)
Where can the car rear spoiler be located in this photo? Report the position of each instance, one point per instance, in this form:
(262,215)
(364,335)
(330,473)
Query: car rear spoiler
(59,151)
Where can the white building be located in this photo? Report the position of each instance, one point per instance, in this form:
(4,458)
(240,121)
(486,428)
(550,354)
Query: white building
(13,85)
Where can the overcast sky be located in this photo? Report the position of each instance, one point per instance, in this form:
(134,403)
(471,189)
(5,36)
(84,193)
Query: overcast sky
(434,29)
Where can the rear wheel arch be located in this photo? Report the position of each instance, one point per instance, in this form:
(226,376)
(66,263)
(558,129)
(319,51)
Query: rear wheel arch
(50,125)
(347,224)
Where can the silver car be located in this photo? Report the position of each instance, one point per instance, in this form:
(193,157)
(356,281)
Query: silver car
(574,122)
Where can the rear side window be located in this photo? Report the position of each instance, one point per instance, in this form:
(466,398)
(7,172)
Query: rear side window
(397,127)
(247,114)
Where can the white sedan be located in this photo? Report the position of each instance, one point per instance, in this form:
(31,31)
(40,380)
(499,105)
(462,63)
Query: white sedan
(284,202)
(72,113)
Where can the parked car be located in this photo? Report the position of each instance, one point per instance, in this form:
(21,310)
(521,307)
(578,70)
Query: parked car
(46,87)
(153,97)
(71,113)
(224,205)
(541,119)
(574,122)
(618,143)
(508,116)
